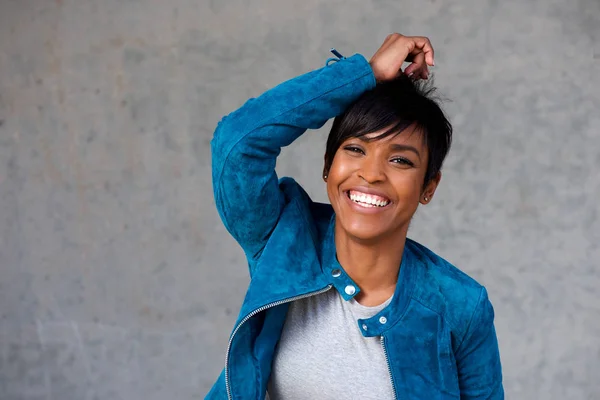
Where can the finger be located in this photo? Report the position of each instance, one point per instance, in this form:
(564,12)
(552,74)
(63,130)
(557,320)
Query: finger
(418,75)
(423,44)
(423,72)
(411,69)
(417,64)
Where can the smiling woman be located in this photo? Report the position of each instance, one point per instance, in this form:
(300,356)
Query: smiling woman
(391,143)
(341,303)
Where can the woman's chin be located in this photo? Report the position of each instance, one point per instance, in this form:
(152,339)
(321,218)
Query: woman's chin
(362,230)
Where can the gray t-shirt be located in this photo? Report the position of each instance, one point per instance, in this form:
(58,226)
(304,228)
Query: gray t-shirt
(323,355)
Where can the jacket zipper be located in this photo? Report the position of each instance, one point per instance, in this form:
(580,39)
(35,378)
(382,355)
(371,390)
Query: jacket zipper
(253,313)
(387,360)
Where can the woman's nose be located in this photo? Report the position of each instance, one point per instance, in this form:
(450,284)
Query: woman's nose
(371,170)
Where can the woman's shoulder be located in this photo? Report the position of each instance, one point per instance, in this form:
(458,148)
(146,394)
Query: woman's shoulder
(444,288)
(439,269)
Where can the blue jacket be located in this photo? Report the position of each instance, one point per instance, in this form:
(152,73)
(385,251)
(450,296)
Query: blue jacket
(438,332)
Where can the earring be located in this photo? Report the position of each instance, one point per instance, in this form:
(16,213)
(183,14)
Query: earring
(426,198)
(325,177)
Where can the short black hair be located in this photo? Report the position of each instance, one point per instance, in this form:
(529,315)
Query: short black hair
(395,104)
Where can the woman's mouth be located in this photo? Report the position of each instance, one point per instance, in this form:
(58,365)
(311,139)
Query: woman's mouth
(367,200)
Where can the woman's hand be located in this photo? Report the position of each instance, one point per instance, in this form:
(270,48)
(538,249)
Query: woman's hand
(396,49)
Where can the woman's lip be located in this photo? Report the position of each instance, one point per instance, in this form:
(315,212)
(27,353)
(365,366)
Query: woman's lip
(364,210)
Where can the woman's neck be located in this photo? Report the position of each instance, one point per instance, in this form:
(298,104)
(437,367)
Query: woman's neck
(372,265)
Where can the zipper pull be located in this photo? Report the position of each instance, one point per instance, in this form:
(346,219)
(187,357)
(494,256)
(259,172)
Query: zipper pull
(337,54)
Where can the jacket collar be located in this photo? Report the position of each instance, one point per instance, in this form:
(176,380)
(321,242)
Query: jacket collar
(348,289)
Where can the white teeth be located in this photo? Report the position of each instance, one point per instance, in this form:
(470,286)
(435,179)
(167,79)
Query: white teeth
(367,201)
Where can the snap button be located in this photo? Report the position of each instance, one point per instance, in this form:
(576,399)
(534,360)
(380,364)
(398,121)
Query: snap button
(336,273)
(382,320)
(350,290)
(364,327)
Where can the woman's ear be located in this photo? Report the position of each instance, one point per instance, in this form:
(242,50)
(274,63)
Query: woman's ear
(325,169)
(430,188)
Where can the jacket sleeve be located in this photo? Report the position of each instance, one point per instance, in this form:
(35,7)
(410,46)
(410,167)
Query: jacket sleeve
(247,142)
(478,356)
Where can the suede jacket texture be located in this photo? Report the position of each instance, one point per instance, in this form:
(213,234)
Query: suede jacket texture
(437,333)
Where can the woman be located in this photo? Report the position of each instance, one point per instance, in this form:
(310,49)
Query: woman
(340,303)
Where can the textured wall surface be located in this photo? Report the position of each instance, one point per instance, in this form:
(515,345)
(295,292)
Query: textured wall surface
(117,279)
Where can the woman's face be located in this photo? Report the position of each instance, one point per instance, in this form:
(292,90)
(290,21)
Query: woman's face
(375,187)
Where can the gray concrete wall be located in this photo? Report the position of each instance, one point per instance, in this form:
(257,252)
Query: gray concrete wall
(117,280)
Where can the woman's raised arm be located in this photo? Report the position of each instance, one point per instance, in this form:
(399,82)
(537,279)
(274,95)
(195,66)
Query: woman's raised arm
(247,142)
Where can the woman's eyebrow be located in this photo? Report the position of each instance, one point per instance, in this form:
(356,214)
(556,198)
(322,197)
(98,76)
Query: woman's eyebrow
(404,147)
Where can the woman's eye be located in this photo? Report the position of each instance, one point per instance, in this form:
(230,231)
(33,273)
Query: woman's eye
(354,149)
(403,161)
